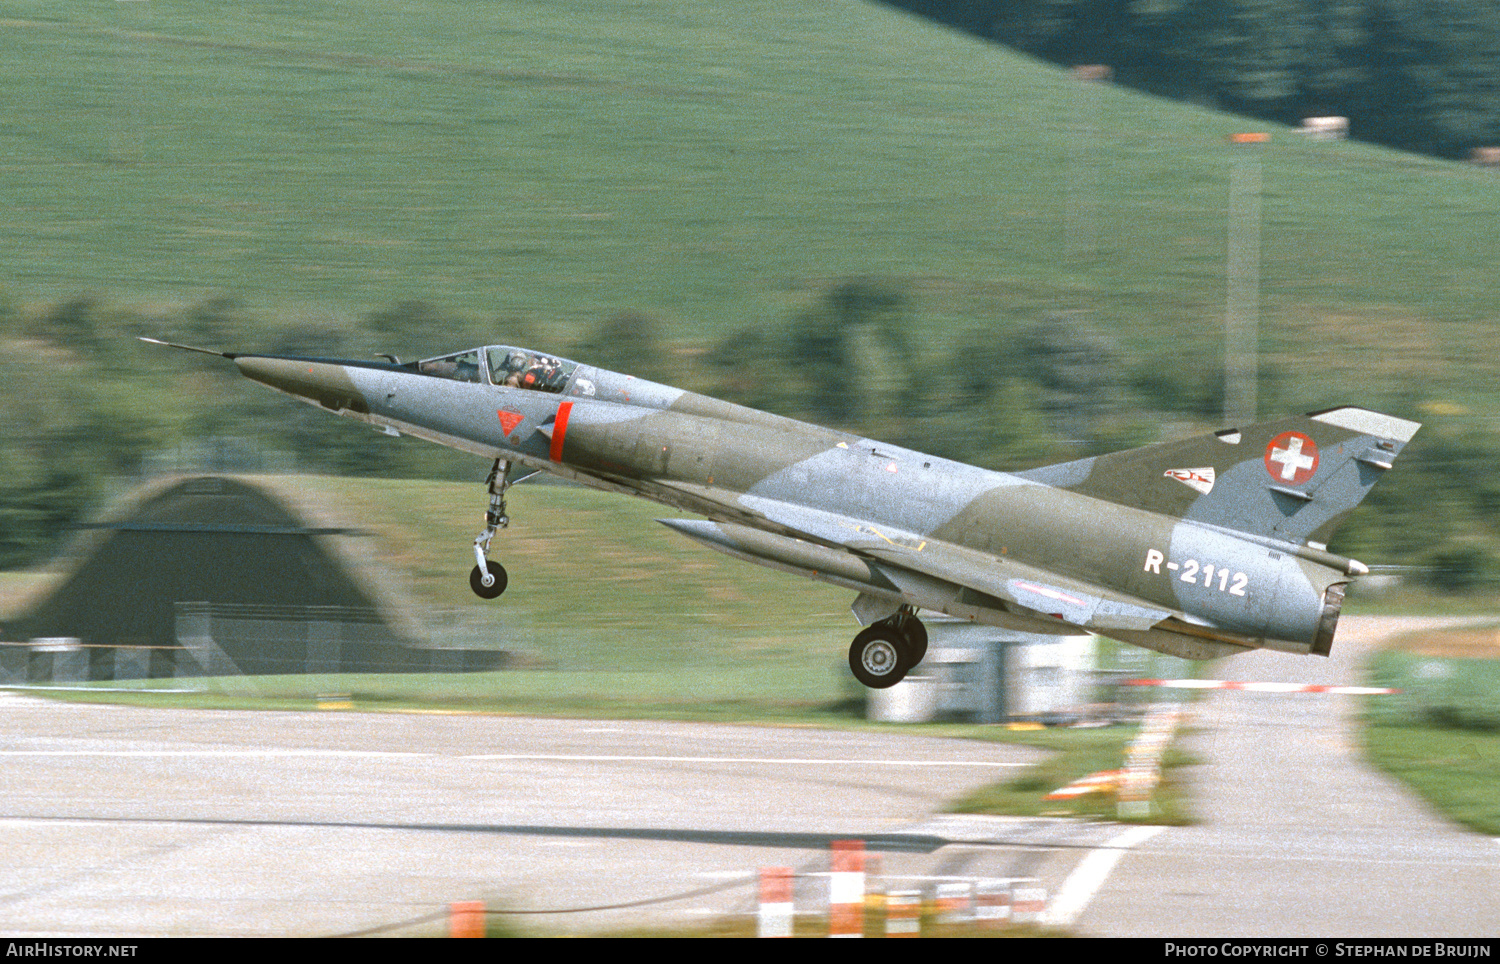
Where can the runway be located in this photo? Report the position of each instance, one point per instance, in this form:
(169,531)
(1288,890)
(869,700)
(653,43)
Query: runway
(120,821)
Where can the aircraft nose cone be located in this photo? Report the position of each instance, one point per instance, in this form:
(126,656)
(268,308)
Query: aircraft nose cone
(325,383)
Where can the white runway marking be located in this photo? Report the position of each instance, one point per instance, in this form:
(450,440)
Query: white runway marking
(212,754)
(502,757)
(799,761)
(1086,879)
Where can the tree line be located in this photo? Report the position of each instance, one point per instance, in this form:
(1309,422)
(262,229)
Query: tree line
(91,410)
(1418,75)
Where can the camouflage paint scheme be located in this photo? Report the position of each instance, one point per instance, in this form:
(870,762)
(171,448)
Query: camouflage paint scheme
(1198,548)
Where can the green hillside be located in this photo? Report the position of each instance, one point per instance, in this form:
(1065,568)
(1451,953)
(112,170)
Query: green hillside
(277,176)
(596,583)
(712,164)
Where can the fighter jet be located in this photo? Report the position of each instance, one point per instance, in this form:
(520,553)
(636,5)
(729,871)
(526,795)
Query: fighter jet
(1200,548)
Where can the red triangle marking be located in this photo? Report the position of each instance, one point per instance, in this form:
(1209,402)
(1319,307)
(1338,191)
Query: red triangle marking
(509,420)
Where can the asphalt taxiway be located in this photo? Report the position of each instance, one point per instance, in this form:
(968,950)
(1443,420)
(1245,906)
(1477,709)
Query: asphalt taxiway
(1298,835)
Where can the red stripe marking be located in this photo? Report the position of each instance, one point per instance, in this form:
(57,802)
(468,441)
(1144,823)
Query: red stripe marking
(560,430)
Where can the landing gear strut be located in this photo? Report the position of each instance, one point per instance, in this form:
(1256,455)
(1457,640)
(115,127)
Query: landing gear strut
(885,651)
(488,579)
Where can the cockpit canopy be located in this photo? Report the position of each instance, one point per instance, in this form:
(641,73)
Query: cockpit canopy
(519,368)
(502,365)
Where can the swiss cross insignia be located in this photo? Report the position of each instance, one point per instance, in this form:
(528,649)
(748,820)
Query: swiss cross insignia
(1292,457)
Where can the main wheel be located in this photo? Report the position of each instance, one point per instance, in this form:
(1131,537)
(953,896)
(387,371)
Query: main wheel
(877,657)
(915,634)
(476,581)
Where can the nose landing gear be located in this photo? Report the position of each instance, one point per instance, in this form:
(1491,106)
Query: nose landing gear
(885,651)
(488,579)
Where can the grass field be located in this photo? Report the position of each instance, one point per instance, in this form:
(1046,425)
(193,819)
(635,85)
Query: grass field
(1456,771)
(596,583)
(712,164)
(1441,733)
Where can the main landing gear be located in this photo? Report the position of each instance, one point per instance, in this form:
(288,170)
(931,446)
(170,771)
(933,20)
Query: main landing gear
(884,652)
(488,579)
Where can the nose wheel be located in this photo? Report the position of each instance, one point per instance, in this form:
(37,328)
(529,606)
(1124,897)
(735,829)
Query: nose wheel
(488,579)
(496,583)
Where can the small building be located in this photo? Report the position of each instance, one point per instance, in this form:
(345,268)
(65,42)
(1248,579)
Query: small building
(1485,156)
(987,675)
(1324,128)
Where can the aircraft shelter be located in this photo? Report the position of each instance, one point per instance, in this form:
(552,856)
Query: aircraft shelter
(213,575)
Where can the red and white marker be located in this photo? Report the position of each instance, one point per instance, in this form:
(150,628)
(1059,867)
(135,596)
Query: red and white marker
(1028,903)
(846,890)
(954,901)
(903,913)
(775,902)
(992,903)
(1221,684)
(1105,781)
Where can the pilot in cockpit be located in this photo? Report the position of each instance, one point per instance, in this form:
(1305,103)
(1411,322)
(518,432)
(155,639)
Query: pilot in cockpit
(516,368)
(511,370)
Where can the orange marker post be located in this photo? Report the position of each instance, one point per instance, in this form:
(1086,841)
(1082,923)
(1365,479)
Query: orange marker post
(955,902)
(992,903)
(776,907)
(466,918)
(1028,902)
(846,890)
(903,913)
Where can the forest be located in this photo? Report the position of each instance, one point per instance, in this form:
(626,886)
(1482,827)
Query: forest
(95,410)
(1419,75)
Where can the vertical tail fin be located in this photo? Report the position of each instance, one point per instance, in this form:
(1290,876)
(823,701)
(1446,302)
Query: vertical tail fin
(1293,478)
